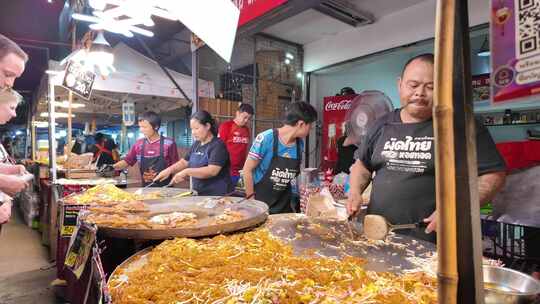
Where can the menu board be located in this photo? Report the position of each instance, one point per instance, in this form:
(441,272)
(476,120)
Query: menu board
(80,247)
(78,79)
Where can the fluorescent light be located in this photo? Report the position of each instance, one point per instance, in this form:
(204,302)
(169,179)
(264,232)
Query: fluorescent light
(56,115)
(130,135)
(484,49)
(484,53)
(18,132)
(289,55)
(42,124)
(62,133)
(299,75)
(65,104)
(52,72)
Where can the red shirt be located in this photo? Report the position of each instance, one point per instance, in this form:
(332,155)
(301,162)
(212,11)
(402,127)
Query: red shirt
(236,139)
(151,149)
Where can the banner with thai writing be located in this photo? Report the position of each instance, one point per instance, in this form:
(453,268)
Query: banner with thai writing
(515,50)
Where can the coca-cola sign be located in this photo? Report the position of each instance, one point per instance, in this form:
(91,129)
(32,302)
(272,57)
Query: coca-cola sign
(335,110)
(338,105)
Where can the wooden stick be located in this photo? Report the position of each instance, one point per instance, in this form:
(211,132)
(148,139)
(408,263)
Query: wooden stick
(459,246)
(444,156)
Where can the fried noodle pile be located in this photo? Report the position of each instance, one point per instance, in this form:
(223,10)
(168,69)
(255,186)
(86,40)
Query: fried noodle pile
(255,267)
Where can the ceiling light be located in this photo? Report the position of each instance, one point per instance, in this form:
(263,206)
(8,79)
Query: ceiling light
(97,4)
(56,115)
(484,49)
(65,104)
(287,61)
(53,72)
(42,124)
(299,75)
(101,55)
(289,55)
(126,16)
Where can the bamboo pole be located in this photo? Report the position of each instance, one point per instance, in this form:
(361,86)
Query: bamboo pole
(444,157)
(459,246)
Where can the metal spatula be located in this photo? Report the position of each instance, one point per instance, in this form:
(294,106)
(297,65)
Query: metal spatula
(141,190)
(376,227)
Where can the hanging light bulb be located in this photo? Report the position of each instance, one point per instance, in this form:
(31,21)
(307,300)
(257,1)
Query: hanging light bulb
(98,4)
(100,55)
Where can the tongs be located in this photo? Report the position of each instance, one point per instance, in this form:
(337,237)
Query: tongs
(140,191)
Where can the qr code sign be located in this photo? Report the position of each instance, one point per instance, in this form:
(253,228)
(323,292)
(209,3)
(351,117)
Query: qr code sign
(527,19)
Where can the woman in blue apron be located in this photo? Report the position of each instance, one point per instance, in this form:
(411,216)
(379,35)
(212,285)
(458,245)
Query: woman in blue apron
(154,152)
(207,161)
(275,157)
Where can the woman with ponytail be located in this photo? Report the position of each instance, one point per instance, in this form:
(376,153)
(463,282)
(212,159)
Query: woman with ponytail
(207,162)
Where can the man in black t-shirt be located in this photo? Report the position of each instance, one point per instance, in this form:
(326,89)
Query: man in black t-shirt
(400,149)
(346,148)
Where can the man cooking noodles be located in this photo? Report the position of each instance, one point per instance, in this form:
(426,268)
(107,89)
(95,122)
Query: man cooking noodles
(154,152)
(400,149)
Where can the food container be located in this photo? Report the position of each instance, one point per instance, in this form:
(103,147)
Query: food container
(504,285)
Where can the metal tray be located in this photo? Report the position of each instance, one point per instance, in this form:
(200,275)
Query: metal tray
(167,192)
(255,212)
(328,238)
(333,238)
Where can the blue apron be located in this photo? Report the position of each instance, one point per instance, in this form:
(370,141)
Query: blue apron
(217,185)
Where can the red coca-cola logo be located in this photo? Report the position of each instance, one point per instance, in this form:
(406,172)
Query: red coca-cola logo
(338,106)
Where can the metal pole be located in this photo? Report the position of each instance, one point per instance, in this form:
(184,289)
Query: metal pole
(70,97)
(52,132)
(195,83)
(307,93)
(33,138)
(195,80)
(254,90)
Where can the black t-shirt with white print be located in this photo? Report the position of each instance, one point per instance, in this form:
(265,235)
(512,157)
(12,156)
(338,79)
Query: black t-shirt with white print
(403,157)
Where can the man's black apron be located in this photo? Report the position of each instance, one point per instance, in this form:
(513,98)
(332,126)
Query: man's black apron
(157,163)
(404,186)
(275,187)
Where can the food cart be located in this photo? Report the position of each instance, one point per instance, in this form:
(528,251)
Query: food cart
(309,260)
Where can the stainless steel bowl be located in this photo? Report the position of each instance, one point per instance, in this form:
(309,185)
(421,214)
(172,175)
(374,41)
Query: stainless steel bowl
(503,285)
